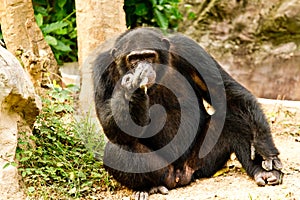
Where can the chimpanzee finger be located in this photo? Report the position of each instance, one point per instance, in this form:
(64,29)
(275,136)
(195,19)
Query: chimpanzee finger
(127,81)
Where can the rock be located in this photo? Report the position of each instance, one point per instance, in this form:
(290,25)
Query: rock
(19,106)
(289,10)
(258,47)
(70,73)
(286,48)
(284,17)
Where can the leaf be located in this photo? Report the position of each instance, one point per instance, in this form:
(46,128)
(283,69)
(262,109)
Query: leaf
(160,2)
(221,172)
(62,3)
(168,7)
(59,164)
(63,31)
(39,19)
(10,164)
(6,165)
(153,2)
(60,14)
(24,159)
(191,15)
(24,174)
(161,19)
(14,164)
(130,2)
(141,9)
(51,40)
(72,176)
(30,189)
(41,10)
(159,7)
(54,26)
(73,34)
(62,46)
(32,137)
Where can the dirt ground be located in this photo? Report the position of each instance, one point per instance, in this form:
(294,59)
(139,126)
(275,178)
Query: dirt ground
(284,118)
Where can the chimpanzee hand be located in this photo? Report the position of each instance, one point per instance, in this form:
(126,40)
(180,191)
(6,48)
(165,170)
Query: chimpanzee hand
(143,76)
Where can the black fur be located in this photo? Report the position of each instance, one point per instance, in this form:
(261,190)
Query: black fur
(245,123)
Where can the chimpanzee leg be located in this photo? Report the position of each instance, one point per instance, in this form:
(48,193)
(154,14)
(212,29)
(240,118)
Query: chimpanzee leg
(241,145)
(214,160)
(145,178)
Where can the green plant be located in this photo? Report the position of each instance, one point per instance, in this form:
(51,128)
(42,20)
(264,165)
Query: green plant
(58,164)
(57,21)
(160,13)
(85,128)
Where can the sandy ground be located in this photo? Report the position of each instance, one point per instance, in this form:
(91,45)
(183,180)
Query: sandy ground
(284,117)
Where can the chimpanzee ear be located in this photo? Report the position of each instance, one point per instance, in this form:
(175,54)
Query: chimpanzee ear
(166,42)
(113,52)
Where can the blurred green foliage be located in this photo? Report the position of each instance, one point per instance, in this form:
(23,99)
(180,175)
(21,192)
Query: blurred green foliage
(159,13)
(57,21)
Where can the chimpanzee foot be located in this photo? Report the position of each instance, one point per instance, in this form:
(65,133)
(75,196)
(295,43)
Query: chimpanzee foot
(269,163)
(140,195)
(159,189)
(273,177)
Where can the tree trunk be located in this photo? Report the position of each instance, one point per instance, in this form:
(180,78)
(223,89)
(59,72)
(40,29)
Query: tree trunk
(25,40)
(97,20)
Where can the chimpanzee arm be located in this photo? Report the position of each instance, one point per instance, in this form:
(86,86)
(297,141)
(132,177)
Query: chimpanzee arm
(112,103)
(105,78)
(199,67)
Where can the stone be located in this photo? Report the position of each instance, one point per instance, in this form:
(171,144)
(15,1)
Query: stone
(284,17)
(19,106)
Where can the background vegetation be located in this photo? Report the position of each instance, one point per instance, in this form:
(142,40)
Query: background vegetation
(59,162)
(159,13)
(57,20)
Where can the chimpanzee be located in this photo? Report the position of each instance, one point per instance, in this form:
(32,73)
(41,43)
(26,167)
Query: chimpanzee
(172,115)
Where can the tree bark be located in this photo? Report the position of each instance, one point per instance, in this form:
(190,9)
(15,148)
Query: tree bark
(25,40)
(97,21)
